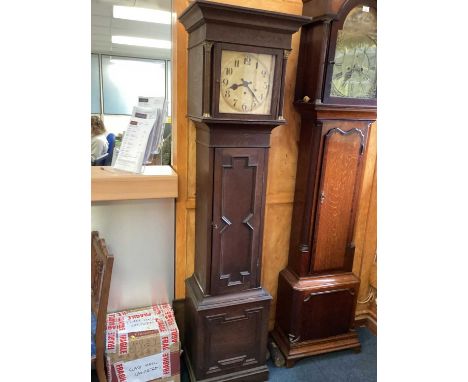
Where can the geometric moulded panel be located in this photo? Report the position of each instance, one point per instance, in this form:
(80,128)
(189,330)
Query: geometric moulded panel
(238,183)
(231,339)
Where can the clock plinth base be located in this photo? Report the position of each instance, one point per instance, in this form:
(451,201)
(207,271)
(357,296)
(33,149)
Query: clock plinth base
(226,335)
(298,350)
(316,314)
(250,375)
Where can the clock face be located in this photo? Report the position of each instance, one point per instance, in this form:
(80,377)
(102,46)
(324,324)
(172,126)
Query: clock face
(246,82)
(355,64)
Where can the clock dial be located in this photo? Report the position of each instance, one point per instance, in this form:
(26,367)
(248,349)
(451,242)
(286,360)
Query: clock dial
(355,64)
(246,82)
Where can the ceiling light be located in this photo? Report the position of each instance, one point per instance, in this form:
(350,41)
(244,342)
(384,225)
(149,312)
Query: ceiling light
(140,41)
(142,14)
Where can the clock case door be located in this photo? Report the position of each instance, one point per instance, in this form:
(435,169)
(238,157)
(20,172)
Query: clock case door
(327,191)
(340,176)
(337,25)
(238,206)
(278,77)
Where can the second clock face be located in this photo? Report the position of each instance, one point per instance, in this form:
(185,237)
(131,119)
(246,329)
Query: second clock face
(246,82)
(355,64)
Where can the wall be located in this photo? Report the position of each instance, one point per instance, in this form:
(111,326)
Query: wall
(140,235)
(365,265)
(282,165)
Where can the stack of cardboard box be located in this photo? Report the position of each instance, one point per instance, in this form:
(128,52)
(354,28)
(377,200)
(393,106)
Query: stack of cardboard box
(143,345)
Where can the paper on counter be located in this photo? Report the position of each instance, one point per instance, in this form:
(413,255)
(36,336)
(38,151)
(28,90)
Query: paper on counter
(134,143)
(159,104)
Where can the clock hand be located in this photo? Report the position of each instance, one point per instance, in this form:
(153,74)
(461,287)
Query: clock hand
(348,75)
(253,94)
(246,84)
(235,86)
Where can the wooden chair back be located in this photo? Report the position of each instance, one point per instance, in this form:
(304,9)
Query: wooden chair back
(101,272)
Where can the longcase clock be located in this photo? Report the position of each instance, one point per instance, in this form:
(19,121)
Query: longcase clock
(237,62)
(336,95)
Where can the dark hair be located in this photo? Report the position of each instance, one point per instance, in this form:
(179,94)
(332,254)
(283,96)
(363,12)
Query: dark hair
(97,126)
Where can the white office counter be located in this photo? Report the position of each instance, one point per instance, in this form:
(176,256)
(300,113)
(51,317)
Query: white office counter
(140,235)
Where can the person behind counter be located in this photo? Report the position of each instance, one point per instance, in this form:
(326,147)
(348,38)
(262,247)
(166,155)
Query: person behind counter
(99,144)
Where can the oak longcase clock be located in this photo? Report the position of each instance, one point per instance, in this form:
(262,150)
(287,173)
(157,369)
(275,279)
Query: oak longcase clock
(236,70)
(336,93)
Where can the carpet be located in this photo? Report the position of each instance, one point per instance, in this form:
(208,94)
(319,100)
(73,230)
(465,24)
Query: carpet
(340,366)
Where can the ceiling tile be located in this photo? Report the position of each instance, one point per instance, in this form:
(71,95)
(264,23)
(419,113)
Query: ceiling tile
(103,26)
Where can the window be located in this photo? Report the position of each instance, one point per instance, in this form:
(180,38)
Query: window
(95,86)
(124,79)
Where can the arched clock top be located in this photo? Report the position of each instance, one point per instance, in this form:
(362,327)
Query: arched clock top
(351,4)
(332,9)
(351,65)
(340,66)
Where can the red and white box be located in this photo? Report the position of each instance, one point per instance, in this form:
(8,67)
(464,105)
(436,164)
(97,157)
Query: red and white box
(143,345)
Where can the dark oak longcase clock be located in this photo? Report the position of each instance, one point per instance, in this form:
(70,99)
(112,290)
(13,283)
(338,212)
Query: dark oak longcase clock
(336,93)
(236,69)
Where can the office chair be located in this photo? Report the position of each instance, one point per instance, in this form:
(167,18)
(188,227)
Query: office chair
(99,161)
(111,140)
(106,159)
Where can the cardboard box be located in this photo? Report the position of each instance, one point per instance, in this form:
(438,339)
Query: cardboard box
(143,345)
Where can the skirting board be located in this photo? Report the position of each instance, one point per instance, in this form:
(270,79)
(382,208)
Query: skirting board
(179,312)
(368,319)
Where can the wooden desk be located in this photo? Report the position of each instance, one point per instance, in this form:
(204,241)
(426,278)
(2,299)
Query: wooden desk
(156,182)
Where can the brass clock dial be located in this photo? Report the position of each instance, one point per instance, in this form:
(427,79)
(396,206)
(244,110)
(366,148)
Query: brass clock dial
(246,82)
(355,63)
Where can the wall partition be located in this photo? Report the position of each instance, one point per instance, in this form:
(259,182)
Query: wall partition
(140,232)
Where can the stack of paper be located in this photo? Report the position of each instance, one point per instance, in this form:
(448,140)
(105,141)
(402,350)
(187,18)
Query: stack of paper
(144,134)
(160,105)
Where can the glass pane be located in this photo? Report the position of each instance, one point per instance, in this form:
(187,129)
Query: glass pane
(355,69)
(246,82)
(169,88)
(124,79)
(95,89)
